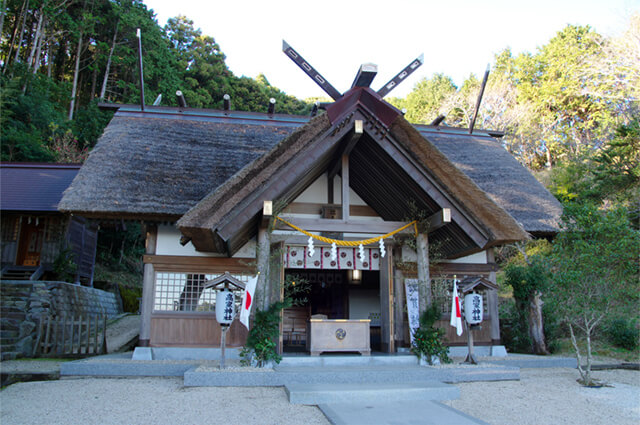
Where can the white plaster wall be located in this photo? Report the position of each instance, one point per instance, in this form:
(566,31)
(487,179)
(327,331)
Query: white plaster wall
(317,192)
(168,243)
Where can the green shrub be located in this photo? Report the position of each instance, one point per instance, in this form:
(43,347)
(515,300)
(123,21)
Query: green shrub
(514,330)
(623,333)
(130,298)
(265,330)
(428,341)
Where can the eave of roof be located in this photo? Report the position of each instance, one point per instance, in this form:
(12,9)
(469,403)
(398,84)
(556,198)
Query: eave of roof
(34,187)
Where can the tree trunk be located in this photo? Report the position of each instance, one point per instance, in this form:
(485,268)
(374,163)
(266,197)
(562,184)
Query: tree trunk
(106,71)
(424,280)
(536,325)
(36,39)
(24,21)
(49,58)
(2,14)
(14,33)
(36,64)
(75,78)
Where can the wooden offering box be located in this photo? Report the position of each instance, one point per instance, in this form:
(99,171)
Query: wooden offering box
(339,335)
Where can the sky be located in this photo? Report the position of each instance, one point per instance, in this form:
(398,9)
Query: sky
(457,37)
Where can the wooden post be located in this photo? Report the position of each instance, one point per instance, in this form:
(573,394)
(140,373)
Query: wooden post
(492,303)
(345,187)
(424,279)
(386,302)
(148,286)
(36,347)
(471,358)
(262,285)
(223,344)
(64,334)
(95,337)
(398,297)
(72,336)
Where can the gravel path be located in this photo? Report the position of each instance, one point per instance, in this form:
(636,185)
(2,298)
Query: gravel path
(144,401)
(542,396)
(552,396)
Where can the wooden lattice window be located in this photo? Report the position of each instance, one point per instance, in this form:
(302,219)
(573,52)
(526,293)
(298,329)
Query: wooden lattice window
(186,292)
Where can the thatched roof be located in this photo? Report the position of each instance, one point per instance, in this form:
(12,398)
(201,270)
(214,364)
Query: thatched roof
(155,167)
(222,216)
(502,177)
(159,164)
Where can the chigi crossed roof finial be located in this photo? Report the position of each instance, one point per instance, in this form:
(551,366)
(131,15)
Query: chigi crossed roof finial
(364,77)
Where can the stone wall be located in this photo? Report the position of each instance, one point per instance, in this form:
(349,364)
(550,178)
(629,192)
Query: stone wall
(24,302)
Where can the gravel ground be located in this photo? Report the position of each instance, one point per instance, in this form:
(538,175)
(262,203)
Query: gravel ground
(542,396)
(552,396)
(146,401)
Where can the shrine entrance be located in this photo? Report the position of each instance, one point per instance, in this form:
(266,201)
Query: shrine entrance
(332,295)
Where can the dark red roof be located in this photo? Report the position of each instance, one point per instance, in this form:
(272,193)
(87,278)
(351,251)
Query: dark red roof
(34,187)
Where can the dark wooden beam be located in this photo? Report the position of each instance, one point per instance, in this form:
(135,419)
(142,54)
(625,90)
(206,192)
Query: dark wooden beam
(365,75)
(344,199)
(310,71)
(479,101)
(439,219)
(344,226)
(358,131)
(408,70)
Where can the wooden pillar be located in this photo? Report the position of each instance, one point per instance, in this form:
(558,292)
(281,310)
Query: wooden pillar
(345,187)
(148,287)
(424,278)
(492,302)
(386,302)
(262,286)
(398,298)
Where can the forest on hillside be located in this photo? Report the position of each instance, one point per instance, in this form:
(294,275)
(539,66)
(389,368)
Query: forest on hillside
(61,57)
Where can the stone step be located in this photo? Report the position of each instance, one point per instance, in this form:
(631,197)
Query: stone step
(314,394)
(9,334)
(12,314)
(347,360)
(9,355)
(347,375)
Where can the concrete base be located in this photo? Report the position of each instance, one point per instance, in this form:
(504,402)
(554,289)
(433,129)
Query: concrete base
(400,412)
(479,351)
(314,394)
(179,353)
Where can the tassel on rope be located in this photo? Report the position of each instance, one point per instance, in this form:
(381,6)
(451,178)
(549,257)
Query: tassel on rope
(310,248)
(361,253)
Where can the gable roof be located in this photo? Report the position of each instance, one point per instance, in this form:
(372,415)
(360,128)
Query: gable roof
(392,153)
(158,164)
(34,187)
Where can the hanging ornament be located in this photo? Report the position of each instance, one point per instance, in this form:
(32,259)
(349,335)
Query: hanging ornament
(310,249)
(382,250)
(334,251)
(361,253)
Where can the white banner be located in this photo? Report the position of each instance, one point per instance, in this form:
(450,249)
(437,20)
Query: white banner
(413,310)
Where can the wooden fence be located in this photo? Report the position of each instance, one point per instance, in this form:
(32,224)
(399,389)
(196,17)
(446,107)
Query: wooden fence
(64,336)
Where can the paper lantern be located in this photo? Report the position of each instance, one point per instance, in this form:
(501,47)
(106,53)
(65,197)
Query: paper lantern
(225,307)
(473,308)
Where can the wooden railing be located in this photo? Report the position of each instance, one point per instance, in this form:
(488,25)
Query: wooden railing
(74,336)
